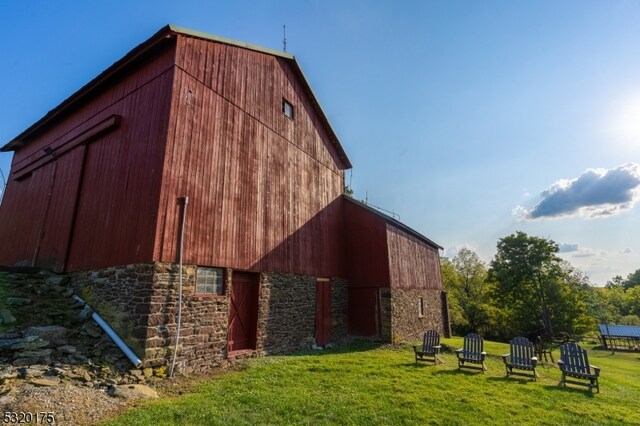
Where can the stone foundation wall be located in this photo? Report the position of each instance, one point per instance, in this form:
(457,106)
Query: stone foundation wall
(286,316)
(339,309)
(203,325)
(406,324)
(117,294)
(140,303)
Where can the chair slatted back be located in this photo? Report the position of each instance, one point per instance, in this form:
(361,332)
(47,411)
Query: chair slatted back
(521,351)
(574,358)
(473,346)
(430,339)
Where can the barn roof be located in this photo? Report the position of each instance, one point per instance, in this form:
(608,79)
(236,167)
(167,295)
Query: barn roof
(144,48)
(394,222)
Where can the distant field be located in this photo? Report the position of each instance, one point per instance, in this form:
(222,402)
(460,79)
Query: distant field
(365,384)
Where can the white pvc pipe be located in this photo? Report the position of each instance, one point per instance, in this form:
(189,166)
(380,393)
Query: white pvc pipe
(111,333)
(179,320)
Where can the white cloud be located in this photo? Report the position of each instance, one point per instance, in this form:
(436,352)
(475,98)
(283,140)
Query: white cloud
(568,248)
(596,193)
(451,252)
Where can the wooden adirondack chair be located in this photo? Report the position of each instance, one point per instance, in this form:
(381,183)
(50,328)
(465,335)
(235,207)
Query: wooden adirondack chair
(574,363)
(430,348)
(472,352)
(520,357)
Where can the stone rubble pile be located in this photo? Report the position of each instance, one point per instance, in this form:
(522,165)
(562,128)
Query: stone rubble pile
(78,353)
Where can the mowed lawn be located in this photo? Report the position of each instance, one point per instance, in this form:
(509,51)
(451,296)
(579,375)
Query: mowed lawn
(367,384)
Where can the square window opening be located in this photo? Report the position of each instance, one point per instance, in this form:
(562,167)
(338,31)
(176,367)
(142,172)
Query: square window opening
(210,281)
(287,108)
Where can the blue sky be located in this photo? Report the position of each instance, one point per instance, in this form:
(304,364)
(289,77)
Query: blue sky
(469,119)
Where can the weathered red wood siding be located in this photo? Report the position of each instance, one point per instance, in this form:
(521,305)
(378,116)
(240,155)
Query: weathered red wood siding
(99,207)
(264,190)
(413,264)
(368,258)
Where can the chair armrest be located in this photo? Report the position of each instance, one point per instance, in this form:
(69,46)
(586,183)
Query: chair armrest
(437,347)
(534,361)
(504,357)
(458,350)
(561,364)
(415,348)
(596,370)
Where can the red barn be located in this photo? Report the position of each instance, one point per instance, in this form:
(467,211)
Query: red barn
(221,148)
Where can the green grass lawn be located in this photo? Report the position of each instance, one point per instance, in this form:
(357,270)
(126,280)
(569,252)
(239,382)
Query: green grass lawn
(365,384)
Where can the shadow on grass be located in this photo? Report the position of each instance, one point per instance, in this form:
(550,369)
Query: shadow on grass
(351,347)
(458,372)
(516,380)
(414,366)
(571,389)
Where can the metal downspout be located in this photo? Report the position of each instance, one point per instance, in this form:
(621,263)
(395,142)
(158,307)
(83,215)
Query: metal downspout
(185,201)
(111,333)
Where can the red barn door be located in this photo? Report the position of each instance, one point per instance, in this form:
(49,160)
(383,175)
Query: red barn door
(323,311)
(364,312)
(243,312)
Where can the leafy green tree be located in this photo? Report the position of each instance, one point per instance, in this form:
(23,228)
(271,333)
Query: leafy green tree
(450,282)
(633,280)
(465,279)
(615,282)
(540,292)
(526,270)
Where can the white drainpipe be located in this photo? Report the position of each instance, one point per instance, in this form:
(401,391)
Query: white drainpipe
(116,339)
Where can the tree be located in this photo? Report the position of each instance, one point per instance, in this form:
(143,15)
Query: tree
(526,271)
(465,279)
(615,282)
(633,280)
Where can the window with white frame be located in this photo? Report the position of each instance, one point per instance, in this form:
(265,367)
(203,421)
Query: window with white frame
(210,281)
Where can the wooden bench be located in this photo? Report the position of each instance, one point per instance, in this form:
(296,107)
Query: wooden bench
(430,348)
(574,363)
(520,357)
(472,352)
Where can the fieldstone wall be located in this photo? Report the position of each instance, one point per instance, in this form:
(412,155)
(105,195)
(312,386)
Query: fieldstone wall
(203,327)
(406,324)
(386,315)
(339,309)
(117,294)
(286,317)
(140,302)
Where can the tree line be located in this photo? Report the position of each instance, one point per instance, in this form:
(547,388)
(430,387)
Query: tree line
(528,290)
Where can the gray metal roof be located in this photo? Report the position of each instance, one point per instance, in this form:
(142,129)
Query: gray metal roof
(612,330)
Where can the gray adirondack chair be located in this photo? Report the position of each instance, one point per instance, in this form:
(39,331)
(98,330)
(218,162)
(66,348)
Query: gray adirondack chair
(574,363)
(520,357)
(430,349)
(472,352)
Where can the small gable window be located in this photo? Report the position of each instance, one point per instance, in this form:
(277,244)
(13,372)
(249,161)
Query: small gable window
(287,108)
(209,281)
